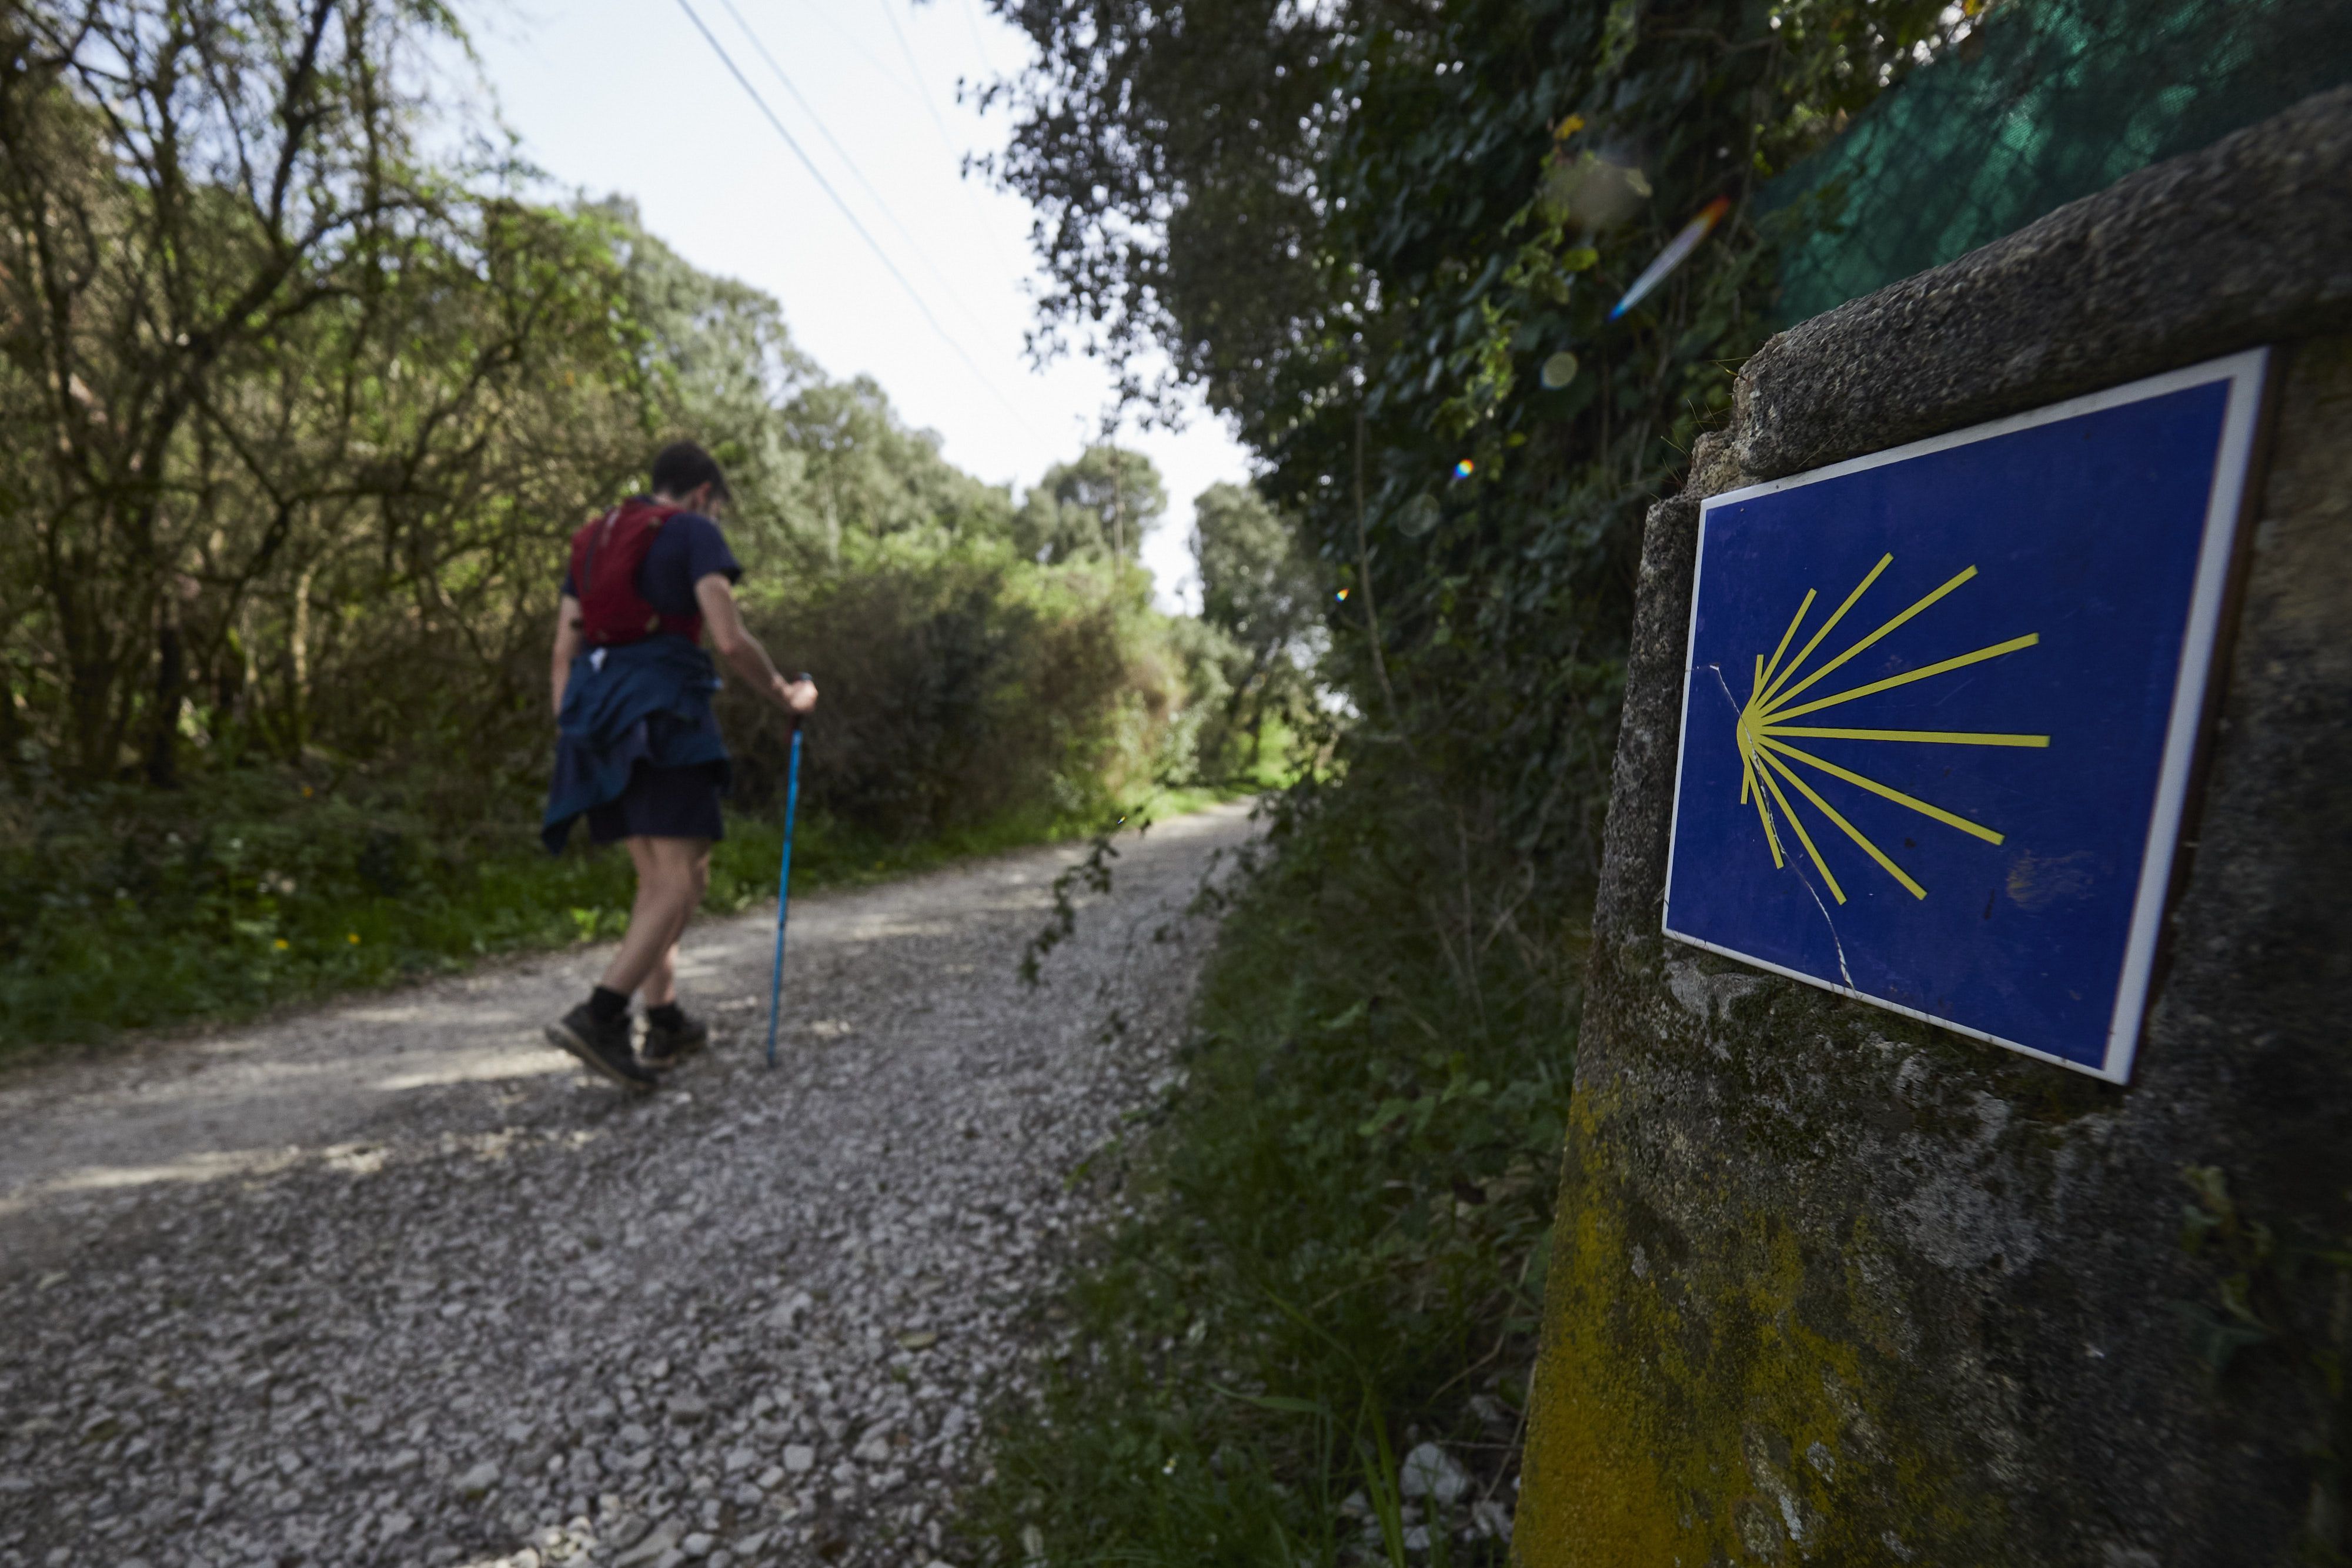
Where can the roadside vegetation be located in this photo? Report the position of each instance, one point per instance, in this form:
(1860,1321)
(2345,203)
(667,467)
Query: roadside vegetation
(303,396)
(132,910)
(1386,240)
(1317,1320)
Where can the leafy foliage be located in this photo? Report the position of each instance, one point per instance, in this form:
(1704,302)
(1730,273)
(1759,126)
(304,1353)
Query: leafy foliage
(300,409)
(1338,1241)
(129,908)
(254,343)
(1099,507)
(1361,229)
(966,687)
(2287,1300)
(1385,237)
(1265,596)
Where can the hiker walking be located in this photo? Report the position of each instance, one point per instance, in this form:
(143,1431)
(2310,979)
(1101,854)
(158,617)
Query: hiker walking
(638,752)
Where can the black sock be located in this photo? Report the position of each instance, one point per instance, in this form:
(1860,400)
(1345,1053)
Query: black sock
(605,1006)
(669,1015)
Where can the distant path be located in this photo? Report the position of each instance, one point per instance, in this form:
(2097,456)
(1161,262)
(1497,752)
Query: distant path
(395,1282)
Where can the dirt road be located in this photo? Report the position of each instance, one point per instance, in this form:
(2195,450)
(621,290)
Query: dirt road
(395,1282)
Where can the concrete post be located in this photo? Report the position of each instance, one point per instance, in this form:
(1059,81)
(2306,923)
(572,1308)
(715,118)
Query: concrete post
(1832,1286)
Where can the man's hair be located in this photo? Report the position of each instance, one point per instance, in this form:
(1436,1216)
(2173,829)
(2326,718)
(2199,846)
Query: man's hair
(682,465)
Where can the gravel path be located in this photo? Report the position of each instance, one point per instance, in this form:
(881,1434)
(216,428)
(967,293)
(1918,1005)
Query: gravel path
(393,1282)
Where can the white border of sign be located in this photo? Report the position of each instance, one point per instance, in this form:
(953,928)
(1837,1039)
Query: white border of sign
(2246,373)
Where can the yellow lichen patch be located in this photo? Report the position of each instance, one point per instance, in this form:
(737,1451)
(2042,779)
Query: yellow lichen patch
(1716,1391)
(1589,1492)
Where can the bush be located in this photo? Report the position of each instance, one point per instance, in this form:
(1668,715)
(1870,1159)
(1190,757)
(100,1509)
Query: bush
(129,907)
(966,689)
(972,702)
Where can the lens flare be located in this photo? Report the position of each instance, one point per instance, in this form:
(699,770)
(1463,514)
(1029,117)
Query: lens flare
(1558,370)
(1464,470)
(1590,191)
(1419,516)
(1681,245)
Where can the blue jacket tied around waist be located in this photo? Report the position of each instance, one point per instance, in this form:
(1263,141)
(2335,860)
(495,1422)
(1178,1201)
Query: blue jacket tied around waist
(637,702)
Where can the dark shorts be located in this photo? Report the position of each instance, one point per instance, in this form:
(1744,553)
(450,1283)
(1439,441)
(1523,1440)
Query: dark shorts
(663,803)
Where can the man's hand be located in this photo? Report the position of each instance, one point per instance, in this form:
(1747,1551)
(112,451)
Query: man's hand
(795,697)
(567,648)
(716,597)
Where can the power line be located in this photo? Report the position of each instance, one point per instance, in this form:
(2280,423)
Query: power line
(916,71)
(826,186)
(855,172)
(824,15)
(947,142)
(972,20)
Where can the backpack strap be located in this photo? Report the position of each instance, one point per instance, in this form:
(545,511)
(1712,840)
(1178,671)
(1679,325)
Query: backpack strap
(615,613)
(687,626)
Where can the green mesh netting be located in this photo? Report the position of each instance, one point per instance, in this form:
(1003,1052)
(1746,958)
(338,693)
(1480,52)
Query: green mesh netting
(2047,101)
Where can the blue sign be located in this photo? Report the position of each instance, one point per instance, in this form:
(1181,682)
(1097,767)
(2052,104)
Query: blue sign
(1941,708)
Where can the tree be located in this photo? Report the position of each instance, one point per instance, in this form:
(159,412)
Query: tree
(868,481)
(1265,594)
(1362,228)
(195,196)
(721,368)
(1171,153)
(822,470)
(1099,506)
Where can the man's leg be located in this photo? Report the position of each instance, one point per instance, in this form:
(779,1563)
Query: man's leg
(671,876)
(659,987)
(682,867)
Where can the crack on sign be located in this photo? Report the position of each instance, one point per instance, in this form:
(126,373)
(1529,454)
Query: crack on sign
(1844,972)
(1717,671)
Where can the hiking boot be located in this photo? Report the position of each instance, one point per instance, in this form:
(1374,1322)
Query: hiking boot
(605,1047)
(665,1047)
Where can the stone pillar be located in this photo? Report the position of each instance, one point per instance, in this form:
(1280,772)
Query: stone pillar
(1832,1286)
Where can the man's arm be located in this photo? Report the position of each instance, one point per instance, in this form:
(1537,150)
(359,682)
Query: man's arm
(567,648)
(733,641)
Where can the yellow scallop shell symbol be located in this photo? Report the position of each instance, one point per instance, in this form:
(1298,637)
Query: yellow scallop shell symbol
(1770,721)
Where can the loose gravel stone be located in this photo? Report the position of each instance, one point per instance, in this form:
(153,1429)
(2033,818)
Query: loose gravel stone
(1429,1472)
(392,1283)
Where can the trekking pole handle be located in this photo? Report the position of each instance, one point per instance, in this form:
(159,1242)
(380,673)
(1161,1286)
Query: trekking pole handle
(797,715)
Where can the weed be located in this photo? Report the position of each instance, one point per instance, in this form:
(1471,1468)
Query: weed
(2287,1295)
(1334,1247)
(1094,875)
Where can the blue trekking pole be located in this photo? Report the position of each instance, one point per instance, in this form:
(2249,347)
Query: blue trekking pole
(784,885)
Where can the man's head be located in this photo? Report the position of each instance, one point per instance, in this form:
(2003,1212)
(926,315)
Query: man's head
(685,475)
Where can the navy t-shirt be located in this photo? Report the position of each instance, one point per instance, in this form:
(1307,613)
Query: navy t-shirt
(688,548)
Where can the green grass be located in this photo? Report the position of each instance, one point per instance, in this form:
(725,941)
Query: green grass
(126,909)
(1334,1245)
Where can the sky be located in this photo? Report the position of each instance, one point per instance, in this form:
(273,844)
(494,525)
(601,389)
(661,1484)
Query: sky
(629,98)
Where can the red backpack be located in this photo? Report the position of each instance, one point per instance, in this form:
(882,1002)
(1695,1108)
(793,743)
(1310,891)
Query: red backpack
(605,556)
